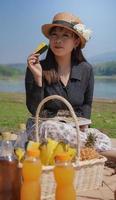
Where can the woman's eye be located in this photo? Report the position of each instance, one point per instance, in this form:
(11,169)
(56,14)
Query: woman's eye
(65,35)
(53,34)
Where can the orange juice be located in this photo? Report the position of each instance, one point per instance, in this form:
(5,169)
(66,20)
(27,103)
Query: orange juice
(64,176)
(31,172)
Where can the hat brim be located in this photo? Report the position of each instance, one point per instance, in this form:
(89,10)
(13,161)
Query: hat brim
(47,27)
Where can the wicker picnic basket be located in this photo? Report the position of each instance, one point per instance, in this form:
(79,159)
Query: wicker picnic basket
(88,174)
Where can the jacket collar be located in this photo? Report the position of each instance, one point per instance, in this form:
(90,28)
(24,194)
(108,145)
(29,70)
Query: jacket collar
(76,72)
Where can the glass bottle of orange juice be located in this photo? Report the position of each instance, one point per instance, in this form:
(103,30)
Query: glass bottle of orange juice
(31,172)
(64,176)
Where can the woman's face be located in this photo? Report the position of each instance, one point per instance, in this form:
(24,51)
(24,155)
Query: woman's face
(62,41)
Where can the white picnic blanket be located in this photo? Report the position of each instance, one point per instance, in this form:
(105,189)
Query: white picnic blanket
(61,131)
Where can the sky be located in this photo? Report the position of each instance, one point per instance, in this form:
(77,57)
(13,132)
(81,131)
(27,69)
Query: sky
(21,21)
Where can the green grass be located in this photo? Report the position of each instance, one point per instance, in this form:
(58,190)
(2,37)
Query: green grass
(104,117)
(105,77)
(13,111)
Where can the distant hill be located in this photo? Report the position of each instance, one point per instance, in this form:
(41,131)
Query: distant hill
(105,69)
(104,65)
(12,71)
(19,66)
(105,57)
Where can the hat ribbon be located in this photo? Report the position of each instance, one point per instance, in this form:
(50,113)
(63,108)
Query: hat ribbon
(62,22)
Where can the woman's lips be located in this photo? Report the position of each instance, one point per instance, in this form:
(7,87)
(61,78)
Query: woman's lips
(57,47)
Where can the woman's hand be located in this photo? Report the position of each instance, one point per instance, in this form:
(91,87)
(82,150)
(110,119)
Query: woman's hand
(83,128)
(35,67)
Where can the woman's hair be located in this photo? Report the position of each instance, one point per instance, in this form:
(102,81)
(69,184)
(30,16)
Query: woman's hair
(50,71)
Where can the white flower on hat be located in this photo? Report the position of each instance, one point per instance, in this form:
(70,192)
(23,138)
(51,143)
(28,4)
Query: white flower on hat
(81,28)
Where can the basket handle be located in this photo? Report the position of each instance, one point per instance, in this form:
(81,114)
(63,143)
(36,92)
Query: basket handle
(57,97)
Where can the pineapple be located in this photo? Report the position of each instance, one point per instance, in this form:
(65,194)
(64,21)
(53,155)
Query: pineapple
(20,153)
(63,148)
(88,152)
(46,150)
(43,152)
(33,145)
(72,153)
(60,148)
(90,142)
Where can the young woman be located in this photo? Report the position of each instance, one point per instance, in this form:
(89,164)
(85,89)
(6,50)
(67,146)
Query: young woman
(64,72)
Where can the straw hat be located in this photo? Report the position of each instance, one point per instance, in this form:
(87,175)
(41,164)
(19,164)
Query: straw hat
(70,22)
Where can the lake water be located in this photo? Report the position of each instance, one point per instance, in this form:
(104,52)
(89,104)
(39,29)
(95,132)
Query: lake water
(12,86)
(103,88)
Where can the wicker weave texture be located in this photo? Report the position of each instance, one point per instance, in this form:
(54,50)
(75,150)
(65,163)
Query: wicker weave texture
(87,177)
(88,174)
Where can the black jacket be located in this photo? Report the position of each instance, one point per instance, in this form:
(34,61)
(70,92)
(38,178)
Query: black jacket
(79,91)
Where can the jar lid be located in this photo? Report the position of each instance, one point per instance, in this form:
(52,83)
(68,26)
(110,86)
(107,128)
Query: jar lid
(22,126)
(62,157)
